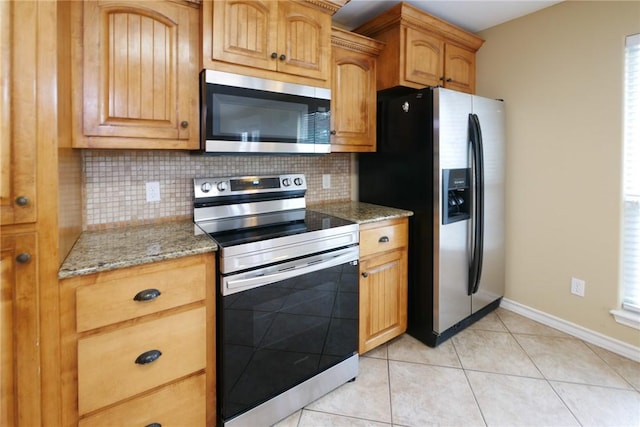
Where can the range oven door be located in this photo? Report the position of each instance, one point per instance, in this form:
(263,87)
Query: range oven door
(242,114)
(275,335)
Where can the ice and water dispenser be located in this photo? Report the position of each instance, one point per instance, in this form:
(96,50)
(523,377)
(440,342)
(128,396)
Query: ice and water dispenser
(456,194)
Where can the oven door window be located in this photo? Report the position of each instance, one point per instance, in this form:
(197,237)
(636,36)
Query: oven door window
(249,115)
(274,337)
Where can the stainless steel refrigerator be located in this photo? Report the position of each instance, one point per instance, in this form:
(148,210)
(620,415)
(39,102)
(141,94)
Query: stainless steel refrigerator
(441,153)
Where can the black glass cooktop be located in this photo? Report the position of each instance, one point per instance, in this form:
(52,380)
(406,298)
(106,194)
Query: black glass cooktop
(313,221)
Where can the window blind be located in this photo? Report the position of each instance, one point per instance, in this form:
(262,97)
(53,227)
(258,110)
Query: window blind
(631,184)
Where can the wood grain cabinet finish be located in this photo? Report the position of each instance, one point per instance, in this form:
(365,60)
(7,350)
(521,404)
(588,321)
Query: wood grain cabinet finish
(383,282)
(422,50)
(149,358)
(353,89)
(280,40)
(137,74)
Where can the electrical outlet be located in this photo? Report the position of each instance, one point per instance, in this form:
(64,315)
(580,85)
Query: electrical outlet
(153,191)
(577,287)
(326,181)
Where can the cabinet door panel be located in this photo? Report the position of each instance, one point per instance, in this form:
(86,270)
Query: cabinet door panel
(460,69)
(245,32)
(140,77)
(304,39)
(423,58)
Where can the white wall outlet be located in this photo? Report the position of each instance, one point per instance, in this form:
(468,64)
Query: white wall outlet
(153,191)
(326,181)
(577,287)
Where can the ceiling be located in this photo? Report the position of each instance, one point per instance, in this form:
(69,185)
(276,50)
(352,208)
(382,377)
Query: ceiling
(471,15)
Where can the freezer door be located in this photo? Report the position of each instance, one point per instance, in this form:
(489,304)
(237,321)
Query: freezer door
(491,117)
(451,241)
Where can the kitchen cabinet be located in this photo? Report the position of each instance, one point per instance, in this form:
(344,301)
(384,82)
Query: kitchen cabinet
(280,40)
(353,90)
(155,324)
(136,74)
(422,50)
(383,282)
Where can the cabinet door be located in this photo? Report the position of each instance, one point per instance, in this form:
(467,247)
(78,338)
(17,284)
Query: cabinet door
(423,58)
(304,40)
(140,74)
(245,32)
(19,356)
(383,298)
(460,69)
(17,119)
(353,111)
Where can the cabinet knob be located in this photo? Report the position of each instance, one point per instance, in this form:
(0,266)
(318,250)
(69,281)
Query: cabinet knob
(147,295)
(184,124)
(365,274)
(441,79)
(383,239)
(154,425)
(22,201)
(23,258)
(274,55)
(148,357)
(283,57)
(449,79)
(333,132)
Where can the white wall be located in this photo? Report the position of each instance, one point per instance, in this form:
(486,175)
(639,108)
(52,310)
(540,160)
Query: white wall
(560,72)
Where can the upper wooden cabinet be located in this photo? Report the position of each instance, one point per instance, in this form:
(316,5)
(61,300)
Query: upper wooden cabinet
(353,92)
(281,40)
(137,68)
(422,50)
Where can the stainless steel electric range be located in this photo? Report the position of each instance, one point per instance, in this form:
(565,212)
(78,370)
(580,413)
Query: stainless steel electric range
(287,303)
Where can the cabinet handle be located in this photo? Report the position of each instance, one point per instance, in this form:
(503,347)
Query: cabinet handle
(441,79)
(282,57)
(449,79)
(333,132)
(154,425)
(147,295)
(23,258)
(148,357)
(22,201)
(184,124)
(365,274)
(383,239)
(274,55)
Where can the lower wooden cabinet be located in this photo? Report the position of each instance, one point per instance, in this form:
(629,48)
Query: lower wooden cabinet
(143,353)
(383,282)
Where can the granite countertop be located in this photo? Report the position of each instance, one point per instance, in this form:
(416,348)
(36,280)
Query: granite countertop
(360,212)
(105,250)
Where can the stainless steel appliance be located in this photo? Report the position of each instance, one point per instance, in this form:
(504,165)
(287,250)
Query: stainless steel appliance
(441,155)
(287,303)
(242,114)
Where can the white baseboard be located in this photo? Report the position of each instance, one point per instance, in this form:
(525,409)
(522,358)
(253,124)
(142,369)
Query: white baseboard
(616,346)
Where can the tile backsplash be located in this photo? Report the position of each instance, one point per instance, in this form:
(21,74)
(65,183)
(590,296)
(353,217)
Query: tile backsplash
(115,192)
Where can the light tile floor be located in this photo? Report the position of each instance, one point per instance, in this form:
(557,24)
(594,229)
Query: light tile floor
(505,370)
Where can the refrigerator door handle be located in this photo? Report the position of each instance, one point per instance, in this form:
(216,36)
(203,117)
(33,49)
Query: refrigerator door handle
(475,267)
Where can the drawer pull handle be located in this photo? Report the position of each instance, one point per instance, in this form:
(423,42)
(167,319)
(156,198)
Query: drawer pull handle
(154,425)
(147,295)
(383,239)
(148,357)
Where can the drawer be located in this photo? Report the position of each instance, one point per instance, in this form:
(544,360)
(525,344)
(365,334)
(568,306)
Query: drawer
(107,368)
(111,299)
(179,404)
(382,237)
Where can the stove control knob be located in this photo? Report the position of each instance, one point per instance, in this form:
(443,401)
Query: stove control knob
(206,187)
(286,182)
(221,186)
(297,181)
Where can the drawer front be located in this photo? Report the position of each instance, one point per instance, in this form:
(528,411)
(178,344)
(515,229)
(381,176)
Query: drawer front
(179,404)
(112,301)
(107,367)
(383,238)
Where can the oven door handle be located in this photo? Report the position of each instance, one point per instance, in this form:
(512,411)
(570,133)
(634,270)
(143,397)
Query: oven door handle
(265,276)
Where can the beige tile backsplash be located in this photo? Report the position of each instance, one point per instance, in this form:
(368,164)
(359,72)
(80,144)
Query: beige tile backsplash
(114,181)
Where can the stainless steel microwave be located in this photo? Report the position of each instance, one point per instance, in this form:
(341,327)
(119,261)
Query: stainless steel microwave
(242,114)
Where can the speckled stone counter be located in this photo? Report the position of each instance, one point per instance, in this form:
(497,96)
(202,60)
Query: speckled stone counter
(360,212)
(105,250)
